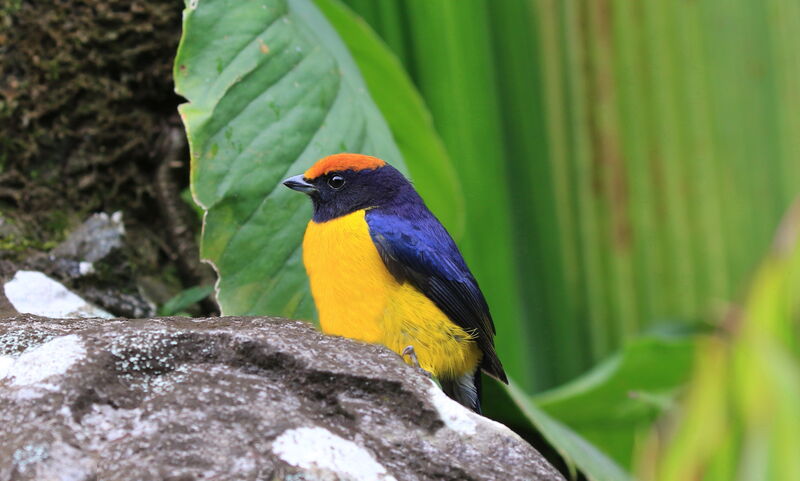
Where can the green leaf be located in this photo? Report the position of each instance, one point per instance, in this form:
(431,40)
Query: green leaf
(739,417)
(271,89)
(186,196)
(434,175)
(184,299)
(575,450)
(593,421)
(616,402)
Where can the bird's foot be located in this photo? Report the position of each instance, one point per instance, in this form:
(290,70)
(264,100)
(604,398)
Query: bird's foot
(412,355)
(414,361)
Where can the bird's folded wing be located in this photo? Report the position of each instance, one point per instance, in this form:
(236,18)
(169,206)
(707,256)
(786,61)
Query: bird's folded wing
(419,250)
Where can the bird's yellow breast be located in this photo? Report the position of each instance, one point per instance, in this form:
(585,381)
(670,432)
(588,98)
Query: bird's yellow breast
(357,297)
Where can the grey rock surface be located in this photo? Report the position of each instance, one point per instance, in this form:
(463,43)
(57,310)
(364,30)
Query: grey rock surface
(34,292)
(231,399)
(94,239)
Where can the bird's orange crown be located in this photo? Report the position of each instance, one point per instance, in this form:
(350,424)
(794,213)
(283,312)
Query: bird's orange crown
(336,162)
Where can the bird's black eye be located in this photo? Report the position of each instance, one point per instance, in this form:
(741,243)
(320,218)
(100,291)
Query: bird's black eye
(336,182)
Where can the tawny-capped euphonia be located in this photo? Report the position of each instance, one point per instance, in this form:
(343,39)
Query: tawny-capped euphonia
(384,270)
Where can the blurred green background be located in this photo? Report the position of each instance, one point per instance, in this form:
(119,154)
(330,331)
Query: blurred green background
(615,173)
(633,159)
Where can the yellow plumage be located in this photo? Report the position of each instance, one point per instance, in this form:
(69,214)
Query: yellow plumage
(357,297)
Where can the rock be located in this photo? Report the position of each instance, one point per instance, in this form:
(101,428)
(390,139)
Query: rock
(232,399)
(95,261)
(35,293)
(93,240)
(120,303)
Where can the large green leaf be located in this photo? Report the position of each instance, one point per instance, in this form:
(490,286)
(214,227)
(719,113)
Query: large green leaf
(575,450)
(594,421)
(271,89)
(617,402)
(434,175)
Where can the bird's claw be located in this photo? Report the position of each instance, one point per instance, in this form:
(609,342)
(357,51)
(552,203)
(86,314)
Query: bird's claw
(412,356)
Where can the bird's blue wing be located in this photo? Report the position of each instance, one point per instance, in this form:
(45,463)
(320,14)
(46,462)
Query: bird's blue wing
(417,249)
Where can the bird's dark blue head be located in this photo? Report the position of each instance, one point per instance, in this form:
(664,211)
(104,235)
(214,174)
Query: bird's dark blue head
(344,183)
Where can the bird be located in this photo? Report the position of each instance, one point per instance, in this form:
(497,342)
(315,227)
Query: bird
(383,270)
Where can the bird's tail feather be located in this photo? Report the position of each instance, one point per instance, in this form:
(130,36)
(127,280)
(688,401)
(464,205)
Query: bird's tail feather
(466,390)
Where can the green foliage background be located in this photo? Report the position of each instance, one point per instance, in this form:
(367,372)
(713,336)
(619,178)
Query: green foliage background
(635,156)
(612,170)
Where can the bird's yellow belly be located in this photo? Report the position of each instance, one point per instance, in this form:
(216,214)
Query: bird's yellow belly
(357,297)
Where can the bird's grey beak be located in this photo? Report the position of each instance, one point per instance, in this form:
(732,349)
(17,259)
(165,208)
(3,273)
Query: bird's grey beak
(299,184)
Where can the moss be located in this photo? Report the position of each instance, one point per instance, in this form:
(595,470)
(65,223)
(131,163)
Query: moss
(21,236)
(10,6)
(86,93)
(13,247)
(85,87)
